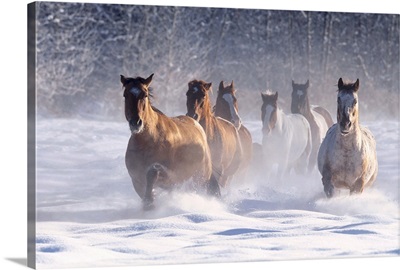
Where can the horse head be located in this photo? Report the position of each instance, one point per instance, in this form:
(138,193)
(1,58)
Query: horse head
(197,101)
(136,94)
(226,105)
(347,106)
(299,97)
(269,111)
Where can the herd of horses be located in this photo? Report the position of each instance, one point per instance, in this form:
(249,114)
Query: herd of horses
(209,146)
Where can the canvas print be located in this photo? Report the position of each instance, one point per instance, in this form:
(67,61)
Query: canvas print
(166,135)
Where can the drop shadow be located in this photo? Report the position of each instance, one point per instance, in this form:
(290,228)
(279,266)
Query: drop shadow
(20,261)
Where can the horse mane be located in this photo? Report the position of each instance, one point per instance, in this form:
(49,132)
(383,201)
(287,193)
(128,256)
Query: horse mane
(209,118)
(157,110)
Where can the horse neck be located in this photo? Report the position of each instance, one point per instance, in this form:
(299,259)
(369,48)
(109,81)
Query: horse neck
(280,119)
(306,109)
(150,118)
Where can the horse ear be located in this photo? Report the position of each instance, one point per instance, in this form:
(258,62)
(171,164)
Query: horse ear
(123,79)
(356,85)
(340,83)
(221,86)
(232,84)
(263,96)
(308,83)
(208,86)
(276,95)
(148,80)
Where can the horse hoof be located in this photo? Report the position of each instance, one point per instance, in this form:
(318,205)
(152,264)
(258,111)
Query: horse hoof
(148,206)
(213,188)
(329,192)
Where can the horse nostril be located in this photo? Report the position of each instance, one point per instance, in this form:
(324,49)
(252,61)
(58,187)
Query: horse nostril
(194,116)
(134,122)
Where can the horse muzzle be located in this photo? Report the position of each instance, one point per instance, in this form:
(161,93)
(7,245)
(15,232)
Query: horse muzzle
(195,116)
(266,130)
(136,126)
(345,127)
(237,123)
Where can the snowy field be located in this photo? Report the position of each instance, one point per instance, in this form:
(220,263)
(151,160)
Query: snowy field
(88,214)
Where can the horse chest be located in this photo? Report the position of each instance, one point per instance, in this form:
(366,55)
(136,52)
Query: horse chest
(142,151)
(347,164)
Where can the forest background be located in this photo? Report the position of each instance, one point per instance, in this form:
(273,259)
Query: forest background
(82,49)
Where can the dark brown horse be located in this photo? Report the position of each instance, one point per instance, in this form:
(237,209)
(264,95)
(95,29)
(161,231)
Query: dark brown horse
(162,152)
(318,117)
(226,107)
(222,136)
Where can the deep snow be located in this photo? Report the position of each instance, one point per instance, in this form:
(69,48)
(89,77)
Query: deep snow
(89,215)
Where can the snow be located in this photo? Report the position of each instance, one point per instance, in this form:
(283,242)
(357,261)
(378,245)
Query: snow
(88,214)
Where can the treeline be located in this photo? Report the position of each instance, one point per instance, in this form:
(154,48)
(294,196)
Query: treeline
(83,48)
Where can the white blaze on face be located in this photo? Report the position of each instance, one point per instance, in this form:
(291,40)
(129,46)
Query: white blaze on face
(268,111)
(347,101)
(234,114)
(195,89)
(135,91)
(300,93)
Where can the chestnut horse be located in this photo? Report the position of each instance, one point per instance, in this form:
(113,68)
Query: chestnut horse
(222,136)
(286,137)
(347,156)
(318,117)
(226,107)
(162,152)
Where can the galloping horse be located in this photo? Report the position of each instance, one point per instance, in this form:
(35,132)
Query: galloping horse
(222,136)
(226,107)
(318,117)
(286,138)
(162,152)
(347,156)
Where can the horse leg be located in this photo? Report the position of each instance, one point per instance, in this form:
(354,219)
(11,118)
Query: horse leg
(315,144)
(284,166)
(327,181)
(282,170)
(266,170)
(154,173)
(358,186)
(313,156)
(213,187)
